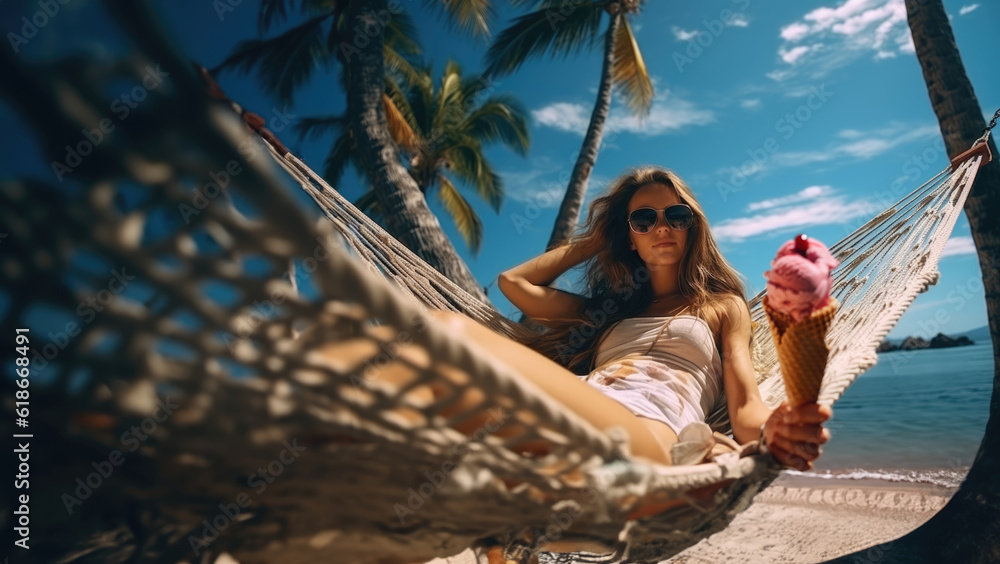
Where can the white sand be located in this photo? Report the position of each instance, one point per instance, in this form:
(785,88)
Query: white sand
(807,520)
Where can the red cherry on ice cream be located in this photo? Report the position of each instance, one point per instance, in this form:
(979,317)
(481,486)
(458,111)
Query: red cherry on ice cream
(801,244)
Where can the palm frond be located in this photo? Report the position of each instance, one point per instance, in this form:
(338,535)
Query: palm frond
(311,128)
(450,104)
(469,164)
(272,12)
(549,4)
(499,118)
(284,62)
(397,63)
(401,33)
(535,33)
(399,97)
(629,71)
(399,127)
(421,97)
(470,16)
(343,152)
(472,87)
(466,219)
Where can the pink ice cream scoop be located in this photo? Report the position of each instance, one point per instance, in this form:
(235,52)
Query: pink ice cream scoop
(799,280)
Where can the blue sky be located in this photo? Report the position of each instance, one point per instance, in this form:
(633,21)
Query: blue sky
(725,91)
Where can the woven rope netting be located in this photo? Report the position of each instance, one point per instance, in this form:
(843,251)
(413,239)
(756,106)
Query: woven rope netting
(328,405)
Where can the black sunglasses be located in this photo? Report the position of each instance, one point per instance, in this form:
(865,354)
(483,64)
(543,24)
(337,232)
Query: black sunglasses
(678,217)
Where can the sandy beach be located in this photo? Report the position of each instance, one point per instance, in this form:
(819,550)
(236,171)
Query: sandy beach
(800,520)
(803,519)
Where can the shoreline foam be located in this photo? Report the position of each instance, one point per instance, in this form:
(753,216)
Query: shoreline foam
(941,477)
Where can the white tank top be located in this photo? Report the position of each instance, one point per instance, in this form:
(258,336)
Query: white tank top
(678,351)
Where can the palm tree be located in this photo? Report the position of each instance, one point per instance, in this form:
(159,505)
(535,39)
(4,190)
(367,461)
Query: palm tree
(442,133)
(967,529)
(365,37)
(565,27)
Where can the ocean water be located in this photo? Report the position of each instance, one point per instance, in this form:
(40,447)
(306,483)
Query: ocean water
(916,416)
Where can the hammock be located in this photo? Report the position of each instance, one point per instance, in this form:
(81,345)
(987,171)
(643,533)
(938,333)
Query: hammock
(885,263)
(331,465)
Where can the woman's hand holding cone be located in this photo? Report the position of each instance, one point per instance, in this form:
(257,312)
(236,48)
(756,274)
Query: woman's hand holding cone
(795,435)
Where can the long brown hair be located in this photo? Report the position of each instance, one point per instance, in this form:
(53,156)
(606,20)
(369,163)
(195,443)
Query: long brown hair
(617,279)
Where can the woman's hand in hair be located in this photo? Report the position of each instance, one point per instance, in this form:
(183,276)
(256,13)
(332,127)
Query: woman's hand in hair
(794,435)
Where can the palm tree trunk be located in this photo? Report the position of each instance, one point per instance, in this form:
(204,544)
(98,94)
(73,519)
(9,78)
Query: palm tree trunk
(407,216)
(569,211)
(967,529)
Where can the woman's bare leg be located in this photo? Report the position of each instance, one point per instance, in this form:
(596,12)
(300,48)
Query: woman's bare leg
(649,439)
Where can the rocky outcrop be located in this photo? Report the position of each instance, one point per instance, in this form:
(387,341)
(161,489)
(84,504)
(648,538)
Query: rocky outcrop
(912,343)
(942,341)
(887,346)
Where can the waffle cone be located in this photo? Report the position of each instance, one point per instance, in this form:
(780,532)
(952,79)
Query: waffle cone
(802,350)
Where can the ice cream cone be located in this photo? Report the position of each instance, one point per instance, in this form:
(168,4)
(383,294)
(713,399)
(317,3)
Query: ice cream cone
(802,350)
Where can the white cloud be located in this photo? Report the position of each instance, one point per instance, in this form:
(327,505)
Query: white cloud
(805,194)
(792,55)
(850,145)
(563,115)
(751,104)
(854,29)
(683,34)
(851,133)
(544,184)
(959,245)
(738,20)
(966,9)
(791,213)
(668,113)
(794,32)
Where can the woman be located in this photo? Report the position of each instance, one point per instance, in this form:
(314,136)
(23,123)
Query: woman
(664,331)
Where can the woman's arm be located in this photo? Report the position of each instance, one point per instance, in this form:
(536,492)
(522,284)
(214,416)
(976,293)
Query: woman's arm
(793,435)
(527,285)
